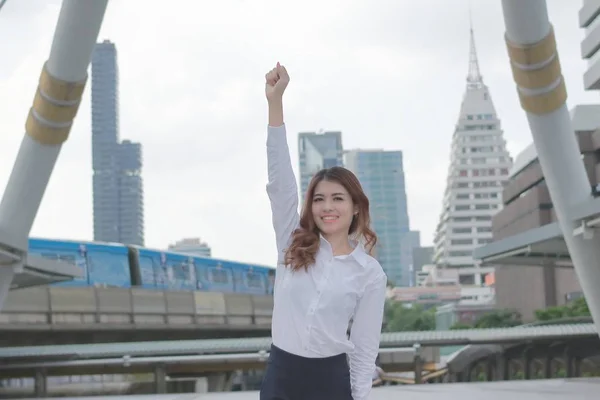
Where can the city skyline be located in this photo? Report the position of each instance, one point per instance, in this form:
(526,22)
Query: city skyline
(204,136)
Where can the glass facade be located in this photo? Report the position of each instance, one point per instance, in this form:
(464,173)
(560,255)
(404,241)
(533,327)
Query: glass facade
(381,175)
(317,151)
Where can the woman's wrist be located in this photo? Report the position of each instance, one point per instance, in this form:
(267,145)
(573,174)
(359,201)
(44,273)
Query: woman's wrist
(275,112)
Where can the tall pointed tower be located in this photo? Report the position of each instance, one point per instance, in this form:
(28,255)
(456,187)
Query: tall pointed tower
(479,166)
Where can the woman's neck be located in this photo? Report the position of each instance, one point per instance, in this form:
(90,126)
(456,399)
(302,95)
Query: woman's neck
(339,244)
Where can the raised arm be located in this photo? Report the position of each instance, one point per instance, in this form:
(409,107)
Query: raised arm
(281,188)
(365,334)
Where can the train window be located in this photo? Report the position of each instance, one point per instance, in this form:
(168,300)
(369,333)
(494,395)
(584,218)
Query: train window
(67,258)
(60,257)
(147,272)
(218,275)
(108,268)
(180,270)
(238,278)
(182,274)
(254,280)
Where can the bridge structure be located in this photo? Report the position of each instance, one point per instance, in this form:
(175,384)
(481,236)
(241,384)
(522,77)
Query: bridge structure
(400,352)
(55,314)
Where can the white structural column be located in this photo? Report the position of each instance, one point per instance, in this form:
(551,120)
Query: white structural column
(536,68)
(57,98)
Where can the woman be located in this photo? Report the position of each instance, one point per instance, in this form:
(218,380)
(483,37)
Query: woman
(324,277)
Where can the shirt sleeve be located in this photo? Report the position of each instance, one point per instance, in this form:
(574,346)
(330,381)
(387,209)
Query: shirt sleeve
(365,334)
(281,189)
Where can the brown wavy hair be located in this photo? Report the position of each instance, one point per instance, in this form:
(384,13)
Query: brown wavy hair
(305,239)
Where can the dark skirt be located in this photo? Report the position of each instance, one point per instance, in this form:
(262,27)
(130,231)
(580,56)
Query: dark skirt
(292,377)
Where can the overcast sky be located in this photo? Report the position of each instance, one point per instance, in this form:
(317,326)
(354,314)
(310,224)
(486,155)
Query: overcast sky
(387,73)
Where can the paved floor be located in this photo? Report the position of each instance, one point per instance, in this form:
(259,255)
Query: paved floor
(571,389)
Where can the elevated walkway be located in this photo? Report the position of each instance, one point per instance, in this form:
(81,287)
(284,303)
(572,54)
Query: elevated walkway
(399,351)
(9,356)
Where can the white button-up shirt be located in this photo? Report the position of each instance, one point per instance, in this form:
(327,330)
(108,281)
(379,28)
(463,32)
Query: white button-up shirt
(312,310)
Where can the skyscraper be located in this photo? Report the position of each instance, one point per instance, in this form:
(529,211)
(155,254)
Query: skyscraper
(317,151)
(381,174)
(131,193)
(410,242)
(479,167)
(117,181)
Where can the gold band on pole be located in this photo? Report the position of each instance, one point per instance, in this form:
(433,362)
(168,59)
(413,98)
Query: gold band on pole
(537,66)
(56,101)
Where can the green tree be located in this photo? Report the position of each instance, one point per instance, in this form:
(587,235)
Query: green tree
(402,318)
(576,308)
(493,319)
(499,319)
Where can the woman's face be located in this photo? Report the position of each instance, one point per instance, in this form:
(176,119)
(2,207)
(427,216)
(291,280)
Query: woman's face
(332,208)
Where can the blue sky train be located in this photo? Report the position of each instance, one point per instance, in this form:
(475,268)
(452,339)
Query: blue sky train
(117,265)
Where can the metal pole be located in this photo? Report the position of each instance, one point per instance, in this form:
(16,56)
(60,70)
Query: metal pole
(48,125)
(536,69)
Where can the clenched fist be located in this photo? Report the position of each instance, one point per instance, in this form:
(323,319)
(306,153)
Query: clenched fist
(276,81)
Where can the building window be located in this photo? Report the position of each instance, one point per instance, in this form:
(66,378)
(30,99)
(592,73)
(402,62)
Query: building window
(461,242)
(461,230)
(462,219)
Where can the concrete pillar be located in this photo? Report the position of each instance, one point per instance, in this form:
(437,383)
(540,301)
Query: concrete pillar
(40,383)
(220,382)
(548,364)
(502,367)
(418,364)
(527,363)
(160,379)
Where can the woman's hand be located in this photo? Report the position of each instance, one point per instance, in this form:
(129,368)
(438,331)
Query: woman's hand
(276,81)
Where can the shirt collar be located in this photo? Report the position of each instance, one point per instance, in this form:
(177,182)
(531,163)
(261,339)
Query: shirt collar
(359,254)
